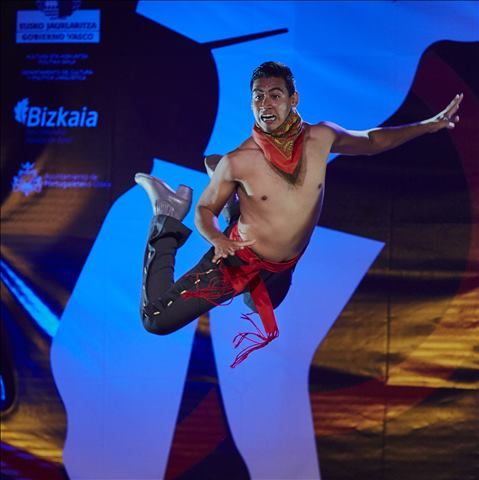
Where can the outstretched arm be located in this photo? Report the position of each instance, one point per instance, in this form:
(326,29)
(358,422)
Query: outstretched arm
(377,140)
(212,200)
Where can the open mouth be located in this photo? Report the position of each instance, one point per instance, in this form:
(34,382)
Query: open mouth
(268,118)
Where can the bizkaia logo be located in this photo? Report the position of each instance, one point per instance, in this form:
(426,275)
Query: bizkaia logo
(34,116)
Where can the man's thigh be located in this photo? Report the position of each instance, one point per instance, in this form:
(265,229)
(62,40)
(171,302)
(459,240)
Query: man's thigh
(193,294)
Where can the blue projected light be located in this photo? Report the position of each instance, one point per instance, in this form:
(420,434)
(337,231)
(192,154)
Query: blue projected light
(40,312)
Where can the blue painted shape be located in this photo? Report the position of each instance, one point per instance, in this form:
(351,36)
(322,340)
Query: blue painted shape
(30,301)
(266,398)
(3,392)
(355,73)
(121,385)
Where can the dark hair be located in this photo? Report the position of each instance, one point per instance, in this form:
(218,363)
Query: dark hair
(274,69)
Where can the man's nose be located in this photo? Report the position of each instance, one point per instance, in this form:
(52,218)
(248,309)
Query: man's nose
(265,101)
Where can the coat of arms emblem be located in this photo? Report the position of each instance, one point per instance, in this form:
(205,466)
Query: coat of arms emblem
(27,180)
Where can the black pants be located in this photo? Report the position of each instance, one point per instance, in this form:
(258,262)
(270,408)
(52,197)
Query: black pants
(163,309)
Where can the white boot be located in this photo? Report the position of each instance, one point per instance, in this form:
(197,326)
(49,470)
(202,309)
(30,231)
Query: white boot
(164,200)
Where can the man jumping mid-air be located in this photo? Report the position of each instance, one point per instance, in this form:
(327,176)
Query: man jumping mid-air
(271,190)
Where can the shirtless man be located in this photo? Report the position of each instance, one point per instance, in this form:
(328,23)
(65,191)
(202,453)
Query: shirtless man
(279,177)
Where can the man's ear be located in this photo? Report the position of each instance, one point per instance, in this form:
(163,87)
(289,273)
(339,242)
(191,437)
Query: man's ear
(295,99)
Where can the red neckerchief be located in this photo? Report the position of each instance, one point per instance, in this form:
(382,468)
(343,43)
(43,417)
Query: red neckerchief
(283,147)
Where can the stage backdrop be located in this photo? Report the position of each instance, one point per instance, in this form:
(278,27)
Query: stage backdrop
(374,375)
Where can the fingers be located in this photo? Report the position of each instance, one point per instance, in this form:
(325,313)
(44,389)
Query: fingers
(457,99)
(452,108)
(239,245)
(223,253)
(452,121)
(246,243)
(231,249)
(448,114)
(218,257)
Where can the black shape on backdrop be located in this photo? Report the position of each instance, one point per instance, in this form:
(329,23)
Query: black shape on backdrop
(410,185)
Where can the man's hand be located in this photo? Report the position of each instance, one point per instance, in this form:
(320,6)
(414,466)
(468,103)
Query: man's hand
(224,247)
(447,118)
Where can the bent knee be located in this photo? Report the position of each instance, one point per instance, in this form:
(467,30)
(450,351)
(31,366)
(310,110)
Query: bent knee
(156,328)
(155,322)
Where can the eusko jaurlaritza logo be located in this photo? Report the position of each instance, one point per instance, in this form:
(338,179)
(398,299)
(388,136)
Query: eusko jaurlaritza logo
(27,180)
(35,116)
(58,8)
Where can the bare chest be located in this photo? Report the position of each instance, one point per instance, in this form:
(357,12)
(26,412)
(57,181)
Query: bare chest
(265,191)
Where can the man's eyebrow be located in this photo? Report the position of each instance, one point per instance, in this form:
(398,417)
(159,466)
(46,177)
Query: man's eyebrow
(270,90)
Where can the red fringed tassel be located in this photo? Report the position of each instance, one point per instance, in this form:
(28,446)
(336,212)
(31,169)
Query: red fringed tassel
(215,290)
(258,340)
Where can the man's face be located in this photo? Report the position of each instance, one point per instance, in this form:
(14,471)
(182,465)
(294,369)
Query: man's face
(271,102)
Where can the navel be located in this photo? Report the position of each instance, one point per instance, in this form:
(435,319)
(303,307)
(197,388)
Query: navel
(320,185)
(264,197)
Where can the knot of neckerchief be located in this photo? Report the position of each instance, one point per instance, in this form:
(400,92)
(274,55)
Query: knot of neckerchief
(283,147)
